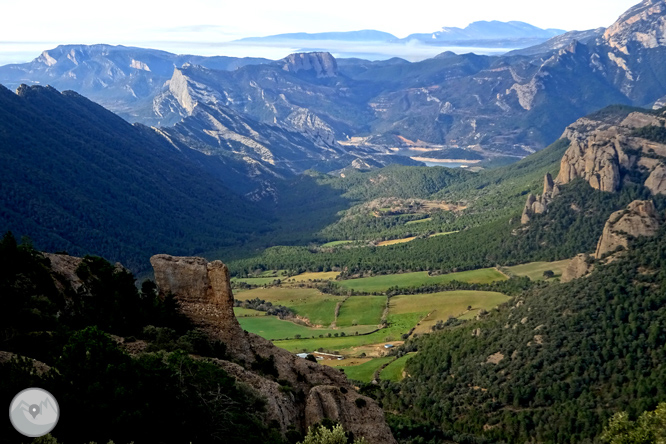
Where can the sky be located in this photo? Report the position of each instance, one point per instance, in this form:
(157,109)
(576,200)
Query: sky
(200,26)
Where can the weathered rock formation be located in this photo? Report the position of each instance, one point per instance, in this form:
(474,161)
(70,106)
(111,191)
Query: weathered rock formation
(539,204)
(639,219)
(643,25)
(603,152)
(322,64)
(204,292)
(656,182)
(578,267)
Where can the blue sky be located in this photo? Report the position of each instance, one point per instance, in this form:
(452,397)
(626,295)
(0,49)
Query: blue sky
(196,24)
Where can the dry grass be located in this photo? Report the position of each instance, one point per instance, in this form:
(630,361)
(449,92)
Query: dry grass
(395,241)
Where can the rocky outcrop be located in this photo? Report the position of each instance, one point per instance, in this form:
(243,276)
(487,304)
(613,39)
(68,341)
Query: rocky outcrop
(321,64)
(596,158)
(656,181)
(204,292)
(643,25)
(39,367)
(602,152)
(539,204)
(578,267)
(347,407)
(639,219)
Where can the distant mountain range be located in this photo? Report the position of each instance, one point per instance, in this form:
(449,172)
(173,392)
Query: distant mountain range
(366,35)
(492,33)
(279,118)
(124,79)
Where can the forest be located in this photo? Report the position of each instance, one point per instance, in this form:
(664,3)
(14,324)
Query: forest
(553,365)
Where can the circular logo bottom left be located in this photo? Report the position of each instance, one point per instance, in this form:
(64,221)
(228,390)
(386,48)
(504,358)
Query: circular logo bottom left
(34,412)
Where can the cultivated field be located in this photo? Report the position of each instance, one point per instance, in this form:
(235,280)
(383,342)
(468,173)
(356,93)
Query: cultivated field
(321,276)
(443,305)
(412,222)
(395,241)
(393,371)
(272,328)
(306,302)
(241,312)
(442,234)
(365,372)
(382,283)
(361,310)
(359,317)
(534,270)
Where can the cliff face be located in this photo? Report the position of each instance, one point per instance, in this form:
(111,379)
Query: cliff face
(639,219)
(602,152)
(204,292)
(643,25)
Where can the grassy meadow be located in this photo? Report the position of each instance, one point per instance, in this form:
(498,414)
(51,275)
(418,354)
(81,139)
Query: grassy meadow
(393,371)
(382,283)
(534,270)
(443,305)
(365,372)
(305,302)
(361,310)
(395,241)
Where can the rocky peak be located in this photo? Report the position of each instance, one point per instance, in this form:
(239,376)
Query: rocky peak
(638,219)
(322,64)
(539,204)
(601,151)
(643,25)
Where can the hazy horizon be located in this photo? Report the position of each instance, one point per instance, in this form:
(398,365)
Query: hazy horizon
(206,27)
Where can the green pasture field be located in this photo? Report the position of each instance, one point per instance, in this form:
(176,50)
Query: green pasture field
(241,312)
(382,283)
(272,328)
(306,302)
(395,241)
(257,280)
(361,310)
(411,222)
(322,276)
(393,371)
(534,270)
(443,234)
(441,306)
(365,372)
(398,324)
